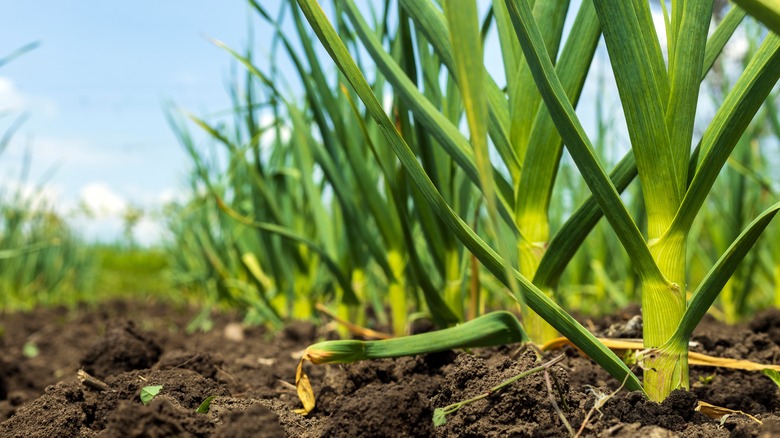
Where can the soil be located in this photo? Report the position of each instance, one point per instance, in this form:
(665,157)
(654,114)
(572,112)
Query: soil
(249,372)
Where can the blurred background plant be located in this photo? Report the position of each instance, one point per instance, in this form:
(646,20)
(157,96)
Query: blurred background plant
(41,261)
(326,213)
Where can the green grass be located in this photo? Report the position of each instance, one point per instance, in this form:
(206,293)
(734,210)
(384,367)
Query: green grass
(134,272)
(43,262)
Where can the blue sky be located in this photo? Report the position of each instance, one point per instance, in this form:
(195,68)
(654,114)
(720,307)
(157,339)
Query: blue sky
(96,90)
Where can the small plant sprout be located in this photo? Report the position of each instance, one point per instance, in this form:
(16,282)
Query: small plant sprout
(204,407)
(149,392)
(30,350)
(706,380)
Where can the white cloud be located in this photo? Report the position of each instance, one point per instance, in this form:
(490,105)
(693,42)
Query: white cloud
(267,119)
(108,208)
(150,200)
(169,195)
(35,197)
(149,232)
(99,230)
(13,99)
(102,201)
(64,155)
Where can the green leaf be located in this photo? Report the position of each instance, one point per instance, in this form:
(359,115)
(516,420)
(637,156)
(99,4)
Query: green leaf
(545,147)
(286,233)
(17,252)
(685,72)
(524,102)
(305,146)
(570,236)
(442,315)
(440,418)
(769,372)
(489,330)
(431,23)
(30,350)
(150,392)
(439,127)
(765,11)
(204,407)
(462,16)
(510,49)
(567,241)
(642,97)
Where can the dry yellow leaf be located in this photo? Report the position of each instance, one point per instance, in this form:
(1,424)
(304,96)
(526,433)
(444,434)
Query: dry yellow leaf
(304,389)
(353,328)
(699,359)
(717,412)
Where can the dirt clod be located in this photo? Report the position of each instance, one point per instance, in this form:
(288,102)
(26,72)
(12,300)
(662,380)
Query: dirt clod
(124,348)
(257,421)
(57,413)
(161,418)
(382,410)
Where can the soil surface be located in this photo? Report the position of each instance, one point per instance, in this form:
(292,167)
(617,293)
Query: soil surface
(248,373)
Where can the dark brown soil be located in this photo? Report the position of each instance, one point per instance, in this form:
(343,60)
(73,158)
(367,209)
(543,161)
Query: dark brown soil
(249,372)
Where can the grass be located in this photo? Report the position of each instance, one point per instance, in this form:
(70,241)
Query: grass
(134,272)
(43,262)
(49,265)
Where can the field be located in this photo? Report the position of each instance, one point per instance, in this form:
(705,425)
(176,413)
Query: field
(555,221)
